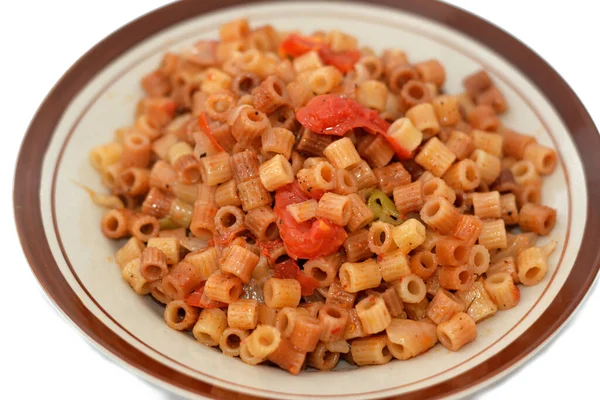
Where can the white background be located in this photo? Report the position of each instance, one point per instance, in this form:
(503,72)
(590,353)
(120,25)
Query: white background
(43,356)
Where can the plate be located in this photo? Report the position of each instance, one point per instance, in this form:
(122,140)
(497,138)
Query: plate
(59,226)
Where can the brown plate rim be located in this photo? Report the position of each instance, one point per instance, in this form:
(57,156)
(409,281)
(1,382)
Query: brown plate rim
(37,250)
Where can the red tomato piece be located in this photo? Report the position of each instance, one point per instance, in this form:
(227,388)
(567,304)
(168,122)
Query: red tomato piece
(309,239)
(289,269)
(331,114)
(342,60)
(203,125)
(295,45)
(266,248)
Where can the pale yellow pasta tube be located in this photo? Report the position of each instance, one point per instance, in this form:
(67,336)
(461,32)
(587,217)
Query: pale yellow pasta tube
(371,350)
(276,172)
(407,338)
(409,235)
(373,314)
(342,154)
(281,293)
(210,326)
(355,277)
(457,332)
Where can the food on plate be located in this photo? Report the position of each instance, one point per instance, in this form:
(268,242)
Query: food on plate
(299,199)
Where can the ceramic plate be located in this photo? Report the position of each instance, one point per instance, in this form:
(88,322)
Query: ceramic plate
(59,225)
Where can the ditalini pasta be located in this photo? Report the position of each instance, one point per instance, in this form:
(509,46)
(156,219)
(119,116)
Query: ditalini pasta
(300,200)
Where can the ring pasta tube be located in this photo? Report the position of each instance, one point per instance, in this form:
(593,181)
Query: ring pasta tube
(477,83)
(269,95)
(286,319)
(226,194)
(483,117)
(416,92)
(465,175)
(322,359)
(543,158)
(130,251)
(262,223)
(431,239)
(278,140)
(356,246)
(457,332)
(409,197)
(477,301)
(468,229)
(373,314)
(279,293)
(507,265)
(144,227)
(364,175)
(115,223)
(182,280)
(424,119)
(303,211)
(230,341)
(244,166)
(333,320)
(246,356)
(460,144)
(489,142)
(354,328)
(287,357)
(242,314)
(203,220)
(337,296)
(443,306)
(532,263)
(335,208)
(319,177)
(536,218)
(410,288)
(390,176)
(489,166)
(345,182)
(493,235)
(355,277)
(132,275)
(323,79)
(479,259)
(178,150)
(266,315)
(312,143)
(360,213)
(136,150)
(440,215)
(456,278)
(215,169)
(435,157)
(153,264)
(105,155)
(446,109)
(437,187)
(162,175)
(502,290)
(134,181)
(532,193)
(220,287)
(228,220)
(376,150)
(276,172)
(407,339)
(372,94)
(188,169)
(342,154)
(341,346)
(206,262)
(404,134)
(210,326)
(169,246)
(508,209)
(324,269)
(371,350)
(173,312)
(393,265)
(492,97)
(524,173)
(487,205)
(409,235)
(239,262)
(181,213)
(452,252)
(157,292)
(380,238)
(423,264)
(514,144)
(306,333)
(253,194)
(307,62)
